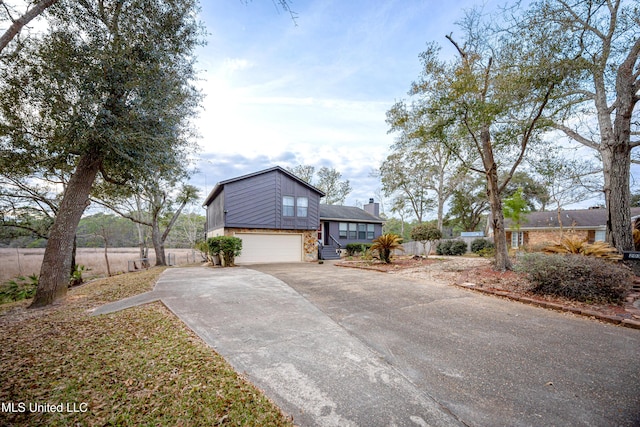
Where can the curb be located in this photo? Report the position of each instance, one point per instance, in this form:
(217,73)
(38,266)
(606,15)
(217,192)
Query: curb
(616,320)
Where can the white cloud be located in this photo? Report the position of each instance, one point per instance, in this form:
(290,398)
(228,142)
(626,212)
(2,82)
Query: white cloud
(231,65)
(316,93)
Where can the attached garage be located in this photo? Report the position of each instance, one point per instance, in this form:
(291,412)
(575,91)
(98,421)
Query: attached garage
(270,247)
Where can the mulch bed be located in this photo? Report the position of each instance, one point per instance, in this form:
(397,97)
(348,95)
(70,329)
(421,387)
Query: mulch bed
(514,285)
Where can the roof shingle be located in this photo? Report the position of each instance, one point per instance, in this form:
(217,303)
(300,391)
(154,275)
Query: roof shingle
(582,218)
(347,213)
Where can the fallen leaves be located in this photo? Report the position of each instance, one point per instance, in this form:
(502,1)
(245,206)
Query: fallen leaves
(138,366)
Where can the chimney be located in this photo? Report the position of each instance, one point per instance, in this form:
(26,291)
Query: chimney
(372,208)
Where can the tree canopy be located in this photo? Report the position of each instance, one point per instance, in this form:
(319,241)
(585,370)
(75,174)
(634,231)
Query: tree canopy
(327,180)
(106,92)
(595,44)
(487,106)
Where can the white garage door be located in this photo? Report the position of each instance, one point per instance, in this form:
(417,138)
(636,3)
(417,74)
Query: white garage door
(258,247)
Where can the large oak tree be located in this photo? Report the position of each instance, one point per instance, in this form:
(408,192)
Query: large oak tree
(597,42)
(493,95)
(107,91)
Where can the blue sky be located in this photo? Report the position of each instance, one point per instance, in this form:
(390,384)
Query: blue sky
(311,92)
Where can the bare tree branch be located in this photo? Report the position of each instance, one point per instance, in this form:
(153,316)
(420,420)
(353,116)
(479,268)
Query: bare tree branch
(576,136)
(19,23)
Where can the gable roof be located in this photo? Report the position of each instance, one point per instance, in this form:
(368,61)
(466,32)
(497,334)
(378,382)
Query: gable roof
(220,185)
(579,219)
(347,213)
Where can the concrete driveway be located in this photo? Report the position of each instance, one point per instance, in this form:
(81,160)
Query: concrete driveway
(343,347)
(487,360)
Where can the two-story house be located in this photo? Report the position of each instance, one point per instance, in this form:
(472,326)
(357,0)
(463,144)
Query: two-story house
(279,218)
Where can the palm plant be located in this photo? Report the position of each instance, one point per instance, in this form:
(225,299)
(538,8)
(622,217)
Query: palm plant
(385,244)
(574,245)
(636,234)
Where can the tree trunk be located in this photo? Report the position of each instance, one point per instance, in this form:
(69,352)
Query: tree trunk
(142,245)
(441,202)
(497,224)
(72,269)
(616,160)
(54,273)
(616,154)
(158,244)
(493,193)
(106,257)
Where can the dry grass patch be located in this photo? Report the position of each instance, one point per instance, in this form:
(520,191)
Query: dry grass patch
(141,366)
(16,262)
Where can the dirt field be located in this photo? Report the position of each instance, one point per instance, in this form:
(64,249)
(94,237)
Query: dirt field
(16,262)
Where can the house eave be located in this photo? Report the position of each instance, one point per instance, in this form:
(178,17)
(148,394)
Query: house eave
(216,190)
(220,185)
(592,227)
(368,221)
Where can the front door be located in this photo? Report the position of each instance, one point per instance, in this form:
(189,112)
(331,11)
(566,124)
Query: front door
(325,234)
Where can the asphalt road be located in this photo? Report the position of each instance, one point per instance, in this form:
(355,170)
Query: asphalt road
(486,360)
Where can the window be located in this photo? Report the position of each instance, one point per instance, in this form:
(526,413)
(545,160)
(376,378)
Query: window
(343,230)
(287,206)
(353,231)
(362,231)
(301,206)
(600,235)
(517,239)
(371,229)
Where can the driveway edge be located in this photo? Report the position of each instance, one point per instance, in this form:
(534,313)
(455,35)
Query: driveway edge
(616,320)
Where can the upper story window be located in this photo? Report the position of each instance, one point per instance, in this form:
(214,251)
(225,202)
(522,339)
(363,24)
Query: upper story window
(295,206)
(302,205)
(288,206)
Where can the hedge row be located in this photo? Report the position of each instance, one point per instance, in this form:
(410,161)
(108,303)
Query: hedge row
(577,277)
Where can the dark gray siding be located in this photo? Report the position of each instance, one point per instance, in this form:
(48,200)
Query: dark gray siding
(334,231)
(215,213)
(289,187)
(250,202)
(256,202)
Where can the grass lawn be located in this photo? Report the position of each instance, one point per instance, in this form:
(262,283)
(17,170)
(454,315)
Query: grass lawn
(141,366)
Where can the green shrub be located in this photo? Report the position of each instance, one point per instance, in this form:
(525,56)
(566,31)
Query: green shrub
(444,247)
(426,234)
(488,252)
(576,277)
(451,247)
(479,244)
(357,248)
(227,247)
(76,277)
(458,247)
(201,246)
(18,289)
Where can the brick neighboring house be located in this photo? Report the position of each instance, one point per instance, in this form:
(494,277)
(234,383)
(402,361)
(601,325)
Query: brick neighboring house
(541,228)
